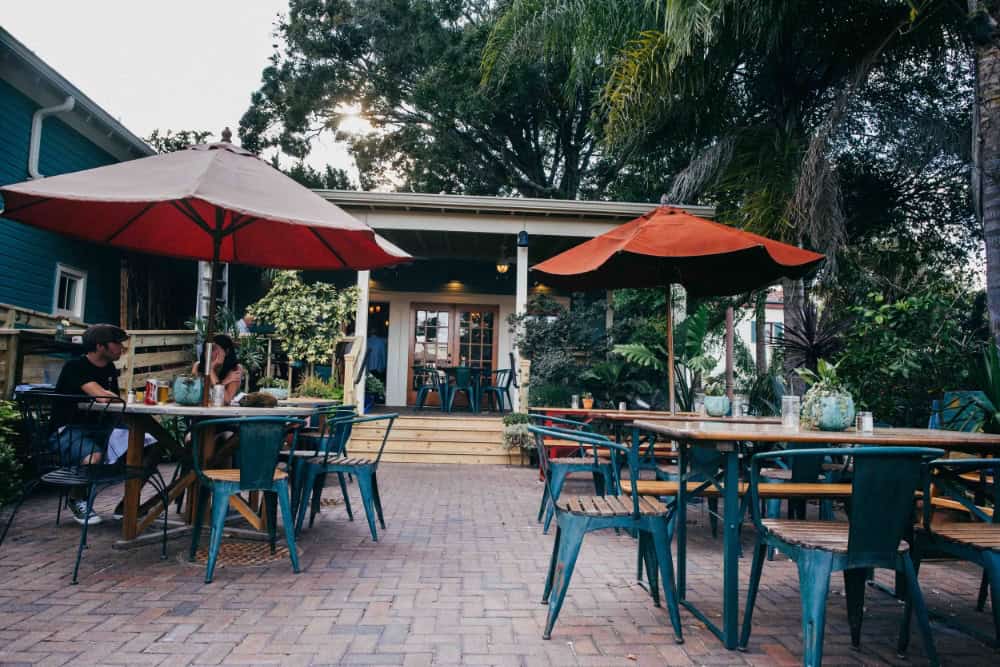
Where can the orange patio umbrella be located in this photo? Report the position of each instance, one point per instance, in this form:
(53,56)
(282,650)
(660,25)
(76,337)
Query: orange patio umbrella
(670,246)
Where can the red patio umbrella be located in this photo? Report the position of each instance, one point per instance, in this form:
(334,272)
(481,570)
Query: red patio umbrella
(668,246)
(213,202)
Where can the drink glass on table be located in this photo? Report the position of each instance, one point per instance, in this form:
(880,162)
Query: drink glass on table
(162,392)
(790,406)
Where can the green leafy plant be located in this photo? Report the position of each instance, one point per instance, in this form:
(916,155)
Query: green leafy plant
(516,433)
(822,383)
(901,354)
(715,387)
(374,387)
(315,387)
(308,318)
(547,394)
(273,382)
(10,467)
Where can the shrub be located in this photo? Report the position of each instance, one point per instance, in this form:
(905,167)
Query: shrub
(277,383)
(316,387)
(10,467)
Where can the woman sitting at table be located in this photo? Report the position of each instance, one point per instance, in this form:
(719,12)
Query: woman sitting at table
(225,369)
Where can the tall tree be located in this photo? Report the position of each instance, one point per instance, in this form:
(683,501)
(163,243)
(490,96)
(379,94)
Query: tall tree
(985,27)
(414,68)
(759,90)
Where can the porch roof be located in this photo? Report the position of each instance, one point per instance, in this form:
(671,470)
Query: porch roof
(483,228)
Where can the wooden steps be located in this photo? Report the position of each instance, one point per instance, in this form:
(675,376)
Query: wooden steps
(435,438)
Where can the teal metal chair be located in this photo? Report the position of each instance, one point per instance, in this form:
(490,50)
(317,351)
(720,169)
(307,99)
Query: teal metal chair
(974,484)
(555,470)
(882,498)
(430,380)
(333,461)
(497,391)
(261,439)
(578,515)
(464,382)
(309,445)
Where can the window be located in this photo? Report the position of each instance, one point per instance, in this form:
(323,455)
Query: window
(70,291)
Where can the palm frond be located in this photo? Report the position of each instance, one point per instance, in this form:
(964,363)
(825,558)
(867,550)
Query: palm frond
(637,353)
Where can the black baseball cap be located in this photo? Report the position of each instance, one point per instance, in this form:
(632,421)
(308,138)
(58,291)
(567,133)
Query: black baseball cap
(102,334)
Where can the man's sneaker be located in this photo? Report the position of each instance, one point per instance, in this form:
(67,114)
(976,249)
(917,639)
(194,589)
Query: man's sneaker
(80,515)
(119,510)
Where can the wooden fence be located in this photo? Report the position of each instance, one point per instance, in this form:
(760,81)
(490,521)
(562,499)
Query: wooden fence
(29,356)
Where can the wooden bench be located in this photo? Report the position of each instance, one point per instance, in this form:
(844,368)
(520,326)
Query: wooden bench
(651,487)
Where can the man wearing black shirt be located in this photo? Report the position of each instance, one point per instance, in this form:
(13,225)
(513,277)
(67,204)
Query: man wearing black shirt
(93,374)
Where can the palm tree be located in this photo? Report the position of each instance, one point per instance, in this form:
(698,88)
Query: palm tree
(753,90)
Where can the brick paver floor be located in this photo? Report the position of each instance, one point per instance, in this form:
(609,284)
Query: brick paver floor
(456,578)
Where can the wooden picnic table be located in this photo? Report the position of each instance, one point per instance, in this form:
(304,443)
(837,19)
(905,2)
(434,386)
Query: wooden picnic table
(139,420)
(628,416)
(730,439)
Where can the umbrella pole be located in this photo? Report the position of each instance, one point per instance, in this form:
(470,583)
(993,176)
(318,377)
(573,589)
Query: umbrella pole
(729,352)
(210,326)
(670,347)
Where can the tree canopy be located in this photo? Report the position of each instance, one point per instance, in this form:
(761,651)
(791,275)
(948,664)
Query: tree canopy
(414,69)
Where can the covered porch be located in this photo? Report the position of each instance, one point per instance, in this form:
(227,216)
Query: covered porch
(453,305)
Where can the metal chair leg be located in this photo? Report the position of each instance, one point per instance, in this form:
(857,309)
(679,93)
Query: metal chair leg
(569,549)
(286,519)
(854,591)
(220,507)
(814,586)
(83,532)
(755,571)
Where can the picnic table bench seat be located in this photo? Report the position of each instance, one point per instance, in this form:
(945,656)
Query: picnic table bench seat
(651,487)
(607,505)
(826,535)
(982,536)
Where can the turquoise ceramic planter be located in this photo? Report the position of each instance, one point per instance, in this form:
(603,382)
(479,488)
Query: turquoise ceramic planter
(717,406)
(834,413)
(187,390)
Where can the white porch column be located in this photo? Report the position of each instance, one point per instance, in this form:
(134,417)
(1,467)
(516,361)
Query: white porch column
(520,304)
(361,335)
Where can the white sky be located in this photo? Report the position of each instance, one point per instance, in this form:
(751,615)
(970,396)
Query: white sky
(183,65)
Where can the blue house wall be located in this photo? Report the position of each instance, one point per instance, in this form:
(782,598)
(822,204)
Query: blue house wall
(28,256)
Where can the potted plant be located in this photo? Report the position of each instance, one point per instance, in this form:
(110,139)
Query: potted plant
(374,390)
(716,401)
(516,433)
(316,387)
(276,387)
(827,405)
(587,400)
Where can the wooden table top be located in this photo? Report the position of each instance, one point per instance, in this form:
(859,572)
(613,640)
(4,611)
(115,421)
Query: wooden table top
(307,401)
(763,432)
(654,415)
(172,409)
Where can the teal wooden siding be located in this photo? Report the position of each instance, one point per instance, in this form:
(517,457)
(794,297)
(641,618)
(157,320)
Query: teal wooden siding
(28,256)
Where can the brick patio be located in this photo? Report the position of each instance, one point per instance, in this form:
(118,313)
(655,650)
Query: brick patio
(455,579)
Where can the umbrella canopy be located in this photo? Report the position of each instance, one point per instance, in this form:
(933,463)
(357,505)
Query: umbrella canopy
(667,246)
(210,202)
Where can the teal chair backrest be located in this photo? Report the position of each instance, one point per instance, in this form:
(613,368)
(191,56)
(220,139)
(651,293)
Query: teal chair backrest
(261,439)
(882,495)
(560,422)
(589,441)
(504,378)
(463,376)
(962,411)
(333,439)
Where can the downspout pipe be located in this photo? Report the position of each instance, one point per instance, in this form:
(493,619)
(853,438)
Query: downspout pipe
(35,147)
